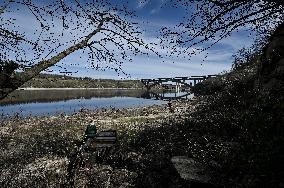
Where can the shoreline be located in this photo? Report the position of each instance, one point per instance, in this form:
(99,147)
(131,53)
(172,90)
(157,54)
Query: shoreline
(67,88)
(42,145)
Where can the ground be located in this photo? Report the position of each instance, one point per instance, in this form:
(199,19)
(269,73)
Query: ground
(35,151)
(235,129)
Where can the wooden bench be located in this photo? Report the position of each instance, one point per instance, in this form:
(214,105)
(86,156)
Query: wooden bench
(103,139)
(99,148)
(95,147)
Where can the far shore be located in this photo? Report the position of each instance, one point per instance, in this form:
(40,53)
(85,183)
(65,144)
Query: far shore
(68,88)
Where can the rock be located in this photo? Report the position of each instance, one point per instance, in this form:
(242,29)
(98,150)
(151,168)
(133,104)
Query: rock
(190,170)
(160,172)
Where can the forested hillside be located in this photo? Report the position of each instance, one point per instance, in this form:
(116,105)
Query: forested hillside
(58,81)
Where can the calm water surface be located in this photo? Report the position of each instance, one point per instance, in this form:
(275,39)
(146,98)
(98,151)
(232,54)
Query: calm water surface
(51,102)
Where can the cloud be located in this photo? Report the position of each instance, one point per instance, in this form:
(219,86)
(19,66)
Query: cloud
(142,3)
(212,61)
(154,11)
(153,68)
(160,4)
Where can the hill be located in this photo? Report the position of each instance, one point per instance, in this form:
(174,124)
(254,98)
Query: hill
(59,81)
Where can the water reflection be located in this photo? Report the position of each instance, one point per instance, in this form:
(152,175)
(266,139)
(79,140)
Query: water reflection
(50,102)
(168,96)
(32,96)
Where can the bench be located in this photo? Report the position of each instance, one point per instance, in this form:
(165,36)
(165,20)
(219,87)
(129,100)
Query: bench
(95,147)
(103,139)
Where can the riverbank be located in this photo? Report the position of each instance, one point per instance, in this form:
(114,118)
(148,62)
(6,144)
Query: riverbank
(235,130)
(75,88)
(35,150)
(237,139)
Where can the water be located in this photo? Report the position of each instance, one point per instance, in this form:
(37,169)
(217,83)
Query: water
(168,95)
(51,102)
(173,95)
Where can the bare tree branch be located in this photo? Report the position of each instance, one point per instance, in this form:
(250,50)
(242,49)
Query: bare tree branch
(208,21)
(109,44)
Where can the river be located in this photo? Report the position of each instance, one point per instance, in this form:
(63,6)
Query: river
(67,101)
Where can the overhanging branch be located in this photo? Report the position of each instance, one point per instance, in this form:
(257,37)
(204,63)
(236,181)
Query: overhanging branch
(20,78)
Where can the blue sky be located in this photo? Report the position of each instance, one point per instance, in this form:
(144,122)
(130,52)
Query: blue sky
(151,16)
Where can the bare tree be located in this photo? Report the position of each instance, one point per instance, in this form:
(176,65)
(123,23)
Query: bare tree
(208,21)
(101,31)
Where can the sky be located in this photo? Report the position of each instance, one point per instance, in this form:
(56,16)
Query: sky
(151,16)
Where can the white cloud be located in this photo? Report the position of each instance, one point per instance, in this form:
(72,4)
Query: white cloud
(152,66)
(142,3)
(154,11)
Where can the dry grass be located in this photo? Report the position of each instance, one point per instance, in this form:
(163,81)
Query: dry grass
(35,151)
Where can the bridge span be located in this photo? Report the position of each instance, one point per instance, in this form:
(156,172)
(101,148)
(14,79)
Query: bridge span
(187,82)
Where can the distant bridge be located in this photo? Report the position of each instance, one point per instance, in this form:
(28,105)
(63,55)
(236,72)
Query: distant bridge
(179,81)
